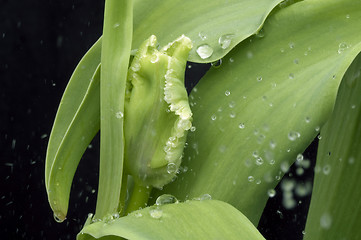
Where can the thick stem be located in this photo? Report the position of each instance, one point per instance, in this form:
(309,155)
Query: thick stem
(139,198)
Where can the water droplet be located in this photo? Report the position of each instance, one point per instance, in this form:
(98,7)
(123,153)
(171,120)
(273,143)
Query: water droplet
(241,126)
(154,58)
(193,128)
(119,115)
(282,50)
(307,119)
(259,161)
(326,221)
(347,16)
(291,76)
(353,106)
(293,135)
(217,63)
(138,214)
(116,25)
(171,168)
(272,144)
(225,40)
(213,117)
(227,93)
(259,79)
(232,115)
(258,181)
(250,178)
(156,213)
(260,33)
(299,157)
(232,104)
(296,61)
(291,45)
(342,47)
(202,36)
(166,199)
(205,197)
(271,193)
(326,169)
(351,160)
(204,51)
(249,54)
(231,60)
(57,219)
(317,129)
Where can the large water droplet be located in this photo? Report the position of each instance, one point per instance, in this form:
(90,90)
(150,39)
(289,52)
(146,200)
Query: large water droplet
(225,40)
(250,178)
(171,168)
(57,219)
(204,51)
(166,199)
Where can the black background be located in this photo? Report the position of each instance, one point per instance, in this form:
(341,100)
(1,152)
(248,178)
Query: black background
(40,44)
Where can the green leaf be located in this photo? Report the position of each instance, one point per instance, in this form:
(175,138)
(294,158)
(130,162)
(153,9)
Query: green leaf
(117,39)
(214,27)
(207,219)
(266,102)
(75,125)
(335,206)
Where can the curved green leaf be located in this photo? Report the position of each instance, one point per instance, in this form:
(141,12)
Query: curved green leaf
(335,206)
(266,102)
(207,219)
(75,125)
(214,27)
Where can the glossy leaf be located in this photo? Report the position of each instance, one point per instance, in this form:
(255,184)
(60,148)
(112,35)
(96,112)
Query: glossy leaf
(75,125)
(215,27)
(335,206)
(117,39)
(205,219)
(265,103)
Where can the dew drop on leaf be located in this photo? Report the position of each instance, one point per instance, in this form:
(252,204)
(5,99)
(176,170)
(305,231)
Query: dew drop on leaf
(326,221)
(204,51)
(225,40)
(166,199)
(156,213)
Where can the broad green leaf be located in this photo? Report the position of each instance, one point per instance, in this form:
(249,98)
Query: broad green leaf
(75,125)
(266,102)
(207,219)
(335,206)
(214,27)
(116,46)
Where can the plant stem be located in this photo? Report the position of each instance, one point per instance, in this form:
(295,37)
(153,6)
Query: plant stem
(139,198)
(116,45)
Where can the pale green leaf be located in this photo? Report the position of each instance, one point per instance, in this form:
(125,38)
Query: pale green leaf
(218,26)
(207,219)
(335,206)
(116,45)
(75,125)
(266,102)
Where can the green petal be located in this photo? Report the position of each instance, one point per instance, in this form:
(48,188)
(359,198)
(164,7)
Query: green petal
(215,27)
(157,112)
(335,206)
(266,102)
(205,219)
(75,125)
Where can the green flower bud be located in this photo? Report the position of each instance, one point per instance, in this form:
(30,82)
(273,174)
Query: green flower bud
(157,113)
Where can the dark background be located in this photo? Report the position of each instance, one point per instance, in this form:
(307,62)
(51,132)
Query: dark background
(41,42)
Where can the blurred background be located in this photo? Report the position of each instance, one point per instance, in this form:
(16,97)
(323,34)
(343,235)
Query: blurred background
(40,44)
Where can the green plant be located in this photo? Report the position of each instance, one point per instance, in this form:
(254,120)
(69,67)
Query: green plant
(283,66)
